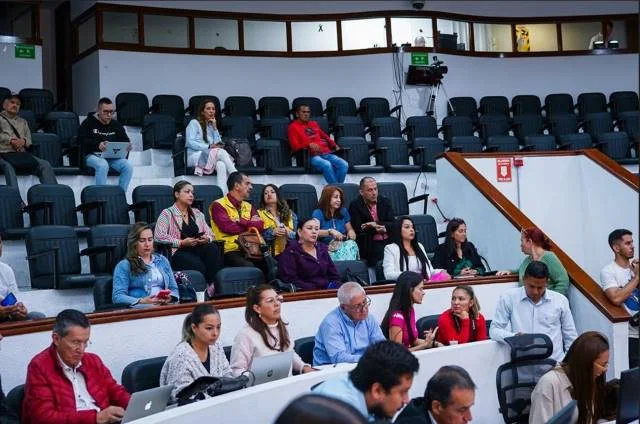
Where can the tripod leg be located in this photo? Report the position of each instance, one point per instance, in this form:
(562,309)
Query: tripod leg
(430,102)
(446,96)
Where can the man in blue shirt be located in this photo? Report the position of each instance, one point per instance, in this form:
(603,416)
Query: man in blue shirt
(379,385)
(534,309)
(347,331)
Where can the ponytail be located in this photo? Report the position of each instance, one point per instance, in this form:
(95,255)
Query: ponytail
(187,332)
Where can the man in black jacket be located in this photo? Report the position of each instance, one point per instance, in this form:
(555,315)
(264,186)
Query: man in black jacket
(371,217)
(95,133)
(448,399)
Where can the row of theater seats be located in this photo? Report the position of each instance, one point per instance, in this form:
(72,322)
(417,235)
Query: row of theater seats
(54,232)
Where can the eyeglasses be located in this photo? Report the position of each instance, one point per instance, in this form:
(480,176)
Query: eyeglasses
(274,300)
(78,344)
(361,306)
(108,112)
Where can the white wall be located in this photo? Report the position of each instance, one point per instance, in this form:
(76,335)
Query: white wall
(573,200)
(481,360)
(119,343)
(19,73)
(355,76)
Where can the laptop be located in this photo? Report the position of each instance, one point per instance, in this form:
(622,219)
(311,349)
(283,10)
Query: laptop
(147,402)
(115,150)
(628,404)
(271,367)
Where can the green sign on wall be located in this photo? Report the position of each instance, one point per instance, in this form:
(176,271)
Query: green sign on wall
(419,58)
(25,51)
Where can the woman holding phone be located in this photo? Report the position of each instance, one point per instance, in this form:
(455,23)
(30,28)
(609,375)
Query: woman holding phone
(143,278)
(186,230)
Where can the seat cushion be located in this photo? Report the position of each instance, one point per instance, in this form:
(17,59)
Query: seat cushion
(366,169)
(76,281)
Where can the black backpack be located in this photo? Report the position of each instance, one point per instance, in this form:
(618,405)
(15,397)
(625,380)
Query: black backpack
(239,150)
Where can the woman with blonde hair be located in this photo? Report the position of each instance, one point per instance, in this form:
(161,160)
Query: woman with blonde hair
(463,322)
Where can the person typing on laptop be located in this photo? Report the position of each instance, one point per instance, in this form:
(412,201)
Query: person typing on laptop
(95,134)
(65,384)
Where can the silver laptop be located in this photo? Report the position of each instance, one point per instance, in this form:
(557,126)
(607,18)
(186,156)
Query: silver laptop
(271,367)
(115,150)
(147,402)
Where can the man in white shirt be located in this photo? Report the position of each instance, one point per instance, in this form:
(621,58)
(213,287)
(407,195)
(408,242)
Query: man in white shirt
(534,309)
(608,27)
(619,280)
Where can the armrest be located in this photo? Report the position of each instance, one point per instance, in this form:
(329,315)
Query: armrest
(31,208)
(179,153)
(98,250)
(367,131)
(420,198)
(145,204)
(441,129)
(52,251)
(395,109)
(378,150)
(85,207)
(528,148)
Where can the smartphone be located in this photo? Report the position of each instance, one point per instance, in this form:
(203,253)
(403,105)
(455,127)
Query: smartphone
(200,234)
(10,300)
(164,294)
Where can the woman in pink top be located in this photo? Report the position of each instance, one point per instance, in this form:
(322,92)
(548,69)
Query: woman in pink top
(399,323)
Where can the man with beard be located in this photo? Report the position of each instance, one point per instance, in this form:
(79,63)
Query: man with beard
(379,385)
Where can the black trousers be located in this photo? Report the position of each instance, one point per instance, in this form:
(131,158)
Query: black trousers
(236,258)
(634,352)
(204,258)
(44,172)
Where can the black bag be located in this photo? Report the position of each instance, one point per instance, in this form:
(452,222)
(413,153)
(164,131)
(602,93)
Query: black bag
(210,386)
(185,289)
(22,162)
(350,276)
(240,151)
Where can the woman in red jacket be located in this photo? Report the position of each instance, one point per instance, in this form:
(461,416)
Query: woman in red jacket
(463,322)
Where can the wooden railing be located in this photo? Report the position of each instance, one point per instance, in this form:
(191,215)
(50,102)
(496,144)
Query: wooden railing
(580,279)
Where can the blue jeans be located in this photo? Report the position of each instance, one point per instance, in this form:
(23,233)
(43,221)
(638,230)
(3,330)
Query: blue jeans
(102,166)
(332,167)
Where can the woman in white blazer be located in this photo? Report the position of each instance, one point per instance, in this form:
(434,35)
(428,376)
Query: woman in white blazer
(405,253)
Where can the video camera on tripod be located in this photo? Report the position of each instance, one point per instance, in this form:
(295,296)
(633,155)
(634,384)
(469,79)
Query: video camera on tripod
(427,75)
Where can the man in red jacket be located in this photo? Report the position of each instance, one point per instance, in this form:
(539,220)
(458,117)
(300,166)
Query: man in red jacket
(65,384)
(306,134)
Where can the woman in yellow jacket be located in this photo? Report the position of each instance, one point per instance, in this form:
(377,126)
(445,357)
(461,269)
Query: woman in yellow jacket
(280,222)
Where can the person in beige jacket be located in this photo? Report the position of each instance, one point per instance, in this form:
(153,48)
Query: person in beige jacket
(15,137)
(580,376)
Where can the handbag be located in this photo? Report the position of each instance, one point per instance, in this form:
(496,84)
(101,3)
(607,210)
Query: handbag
(208,386)
(185,289)
(251,244)
(350,276)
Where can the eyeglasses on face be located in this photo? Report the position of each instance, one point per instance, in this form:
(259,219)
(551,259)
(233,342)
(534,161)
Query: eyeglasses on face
(361,306)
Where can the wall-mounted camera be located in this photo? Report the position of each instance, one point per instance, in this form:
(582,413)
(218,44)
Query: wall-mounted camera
(418,4)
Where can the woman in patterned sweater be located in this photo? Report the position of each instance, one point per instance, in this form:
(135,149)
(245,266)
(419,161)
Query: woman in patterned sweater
(199,354)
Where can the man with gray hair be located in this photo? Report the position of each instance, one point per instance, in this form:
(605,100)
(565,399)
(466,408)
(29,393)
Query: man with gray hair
(347,331)
(65,384)
(448,399)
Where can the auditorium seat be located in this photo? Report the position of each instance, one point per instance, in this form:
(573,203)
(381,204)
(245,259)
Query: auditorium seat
(302,198)
(242,127)
(355,268)
(492,125)
(48,146)
(131,108)
(109,205)
(526,104)
(574,141)
(340,106)
(616,145)
(172,105)
(65,125)
(236,280)
(275,127)
(38,100)
(456,126)
(194,104)
(558,104)
(428,322)
(30,117)
(256,193)
(112,239)
(204,195)
(304,348)
(385,127)
(425,151)
(158,131)
(54,204)
(11,214)
(397,195)
(494,105)
(53,254)
(15,397)
(426,232)
(348,126)
(179,158)
(527,124)
(464,106)
(591,103)
(322,122)
(539,143)
(150,200)
(273,107)
(596,124)
(502,144)
(629,122)
(197,279)
(562,124)
(143,374)
(237,106)
(358,155)
(420,126)
(393,154)
(466,144)
(376,107)
(274,156)
(314,103)
(102,296)
(623,101)
(4,92)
